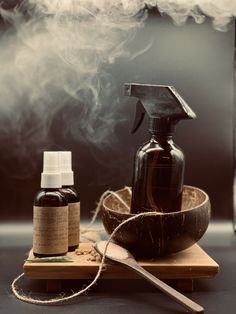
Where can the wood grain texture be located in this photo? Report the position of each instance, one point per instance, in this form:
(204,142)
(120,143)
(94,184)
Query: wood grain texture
(190,264)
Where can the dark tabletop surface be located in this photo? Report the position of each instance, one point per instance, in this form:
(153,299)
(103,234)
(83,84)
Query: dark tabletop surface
(217,295)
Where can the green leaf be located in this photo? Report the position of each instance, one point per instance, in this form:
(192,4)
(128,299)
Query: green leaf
(52,259)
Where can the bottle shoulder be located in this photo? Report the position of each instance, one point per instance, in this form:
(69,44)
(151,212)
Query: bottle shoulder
(50,198)
(70,194)
(165,148)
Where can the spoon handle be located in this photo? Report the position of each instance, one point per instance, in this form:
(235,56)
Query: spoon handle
(174,294)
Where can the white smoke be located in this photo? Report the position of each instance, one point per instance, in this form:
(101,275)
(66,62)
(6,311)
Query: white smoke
(221,11)
(56,53)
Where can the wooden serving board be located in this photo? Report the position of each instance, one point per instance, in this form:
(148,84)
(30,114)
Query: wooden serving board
(191,263)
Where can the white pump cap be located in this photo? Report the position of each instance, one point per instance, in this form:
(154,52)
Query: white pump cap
(67,175)
(51,176)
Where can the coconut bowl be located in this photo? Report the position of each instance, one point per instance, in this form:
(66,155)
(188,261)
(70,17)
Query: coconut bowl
(162,234)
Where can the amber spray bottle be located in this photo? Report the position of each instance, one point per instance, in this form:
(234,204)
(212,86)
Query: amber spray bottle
(50,216)
(159,164)
(72,196)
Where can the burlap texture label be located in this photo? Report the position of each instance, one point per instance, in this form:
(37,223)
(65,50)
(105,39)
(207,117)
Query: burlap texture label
(74,223)
(50,230)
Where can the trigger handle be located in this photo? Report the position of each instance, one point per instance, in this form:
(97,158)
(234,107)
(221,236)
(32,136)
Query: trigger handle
(139,115)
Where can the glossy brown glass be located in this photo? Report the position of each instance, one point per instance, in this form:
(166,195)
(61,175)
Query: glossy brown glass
(49,198)
(158,176)
(71,196)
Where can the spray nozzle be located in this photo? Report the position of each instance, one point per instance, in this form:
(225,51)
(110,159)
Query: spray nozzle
(51,176)
(50,162)
(65,162)
(162,104)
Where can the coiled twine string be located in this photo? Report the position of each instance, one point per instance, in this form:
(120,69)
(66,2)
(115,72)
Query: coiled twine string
(23,297)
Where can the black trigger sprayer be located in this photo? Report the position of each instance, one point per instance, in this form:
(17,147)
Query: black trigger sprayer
(159,163)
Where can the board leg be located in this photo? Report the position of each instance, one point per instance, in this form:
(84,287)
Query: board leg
(184,285)
(54,285)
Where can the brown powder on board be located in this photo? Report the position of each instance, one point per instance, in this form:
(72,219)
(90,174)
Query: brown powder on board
(91,254)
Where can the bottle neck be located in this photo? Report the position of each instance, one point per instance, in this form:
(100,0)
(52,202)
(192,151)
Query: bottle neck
(51,180)
(162,137)
(162,126)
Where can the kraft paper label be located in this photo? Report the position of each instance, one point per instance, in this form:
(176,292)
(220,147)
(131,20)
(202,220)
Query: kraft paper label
(74,223)
(50,230)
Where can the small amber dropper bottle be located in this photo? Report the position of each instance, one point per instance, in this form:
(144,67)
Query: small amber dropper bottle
(50,217)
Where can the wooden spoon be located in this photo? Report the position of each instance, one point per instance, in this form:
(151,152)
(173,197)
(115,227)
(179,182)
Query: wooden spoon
(120,255)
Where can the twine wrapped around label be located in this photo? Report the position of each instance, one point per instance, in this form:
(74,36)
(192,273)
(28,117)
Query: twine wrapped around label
(73,223)
(50,230)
